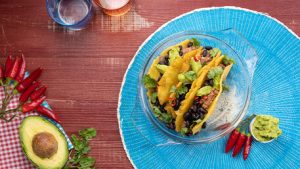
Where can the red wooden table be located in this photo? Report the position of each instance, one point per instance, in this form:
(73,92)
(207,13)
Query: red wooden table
(84,69)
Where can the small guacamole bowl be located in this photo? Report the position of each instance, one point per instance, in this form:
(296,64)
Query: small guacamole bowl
(254,134)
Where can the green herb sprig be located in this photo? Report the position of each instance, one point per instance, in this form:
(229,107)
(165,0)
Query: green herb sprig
(79,158)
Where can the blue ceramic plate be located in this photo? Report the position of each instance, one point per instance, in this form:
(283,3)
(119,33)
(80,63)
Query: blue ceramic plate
(275,91)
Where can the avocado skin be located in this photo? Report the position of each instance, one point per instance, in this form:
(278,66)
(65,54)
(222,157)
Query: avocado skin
(62,140)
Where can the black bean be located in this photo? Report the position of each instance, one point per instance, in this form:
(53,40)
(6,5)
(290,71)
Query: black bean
(203,110)
(187,116)
(171,126)
(190,44)
(188,86)
(211,82)
(156,102)
(208,47)
(180,53)
(204,125)
(194,108)
(180,47)
(189,133)
(204,53)
(187,123)
(201,116)
(181,97)
(195,116)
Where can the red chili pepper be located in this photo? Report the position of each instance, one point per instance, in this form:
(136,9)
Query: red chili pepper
(32,105)
(172,101)
(240,142)
(24,97)
(232,140)
(28,81)
(196,58)
(47,112)
(247,146)
(15,68)
(8,64)
(38,93)
(22,70)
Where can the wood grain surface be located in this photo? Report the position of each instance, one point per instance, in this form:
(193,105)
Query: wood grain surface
(84,69)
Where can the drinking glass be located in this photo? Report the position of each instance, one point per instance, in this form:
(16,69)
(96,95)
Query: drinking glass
(74,14)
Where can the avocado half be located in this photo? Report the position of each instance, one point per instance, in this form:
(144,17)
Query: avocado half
(43,143)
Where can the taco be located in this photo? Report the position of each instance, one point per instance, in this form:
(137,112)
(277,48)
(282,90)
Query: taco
(174,74)
(202,98)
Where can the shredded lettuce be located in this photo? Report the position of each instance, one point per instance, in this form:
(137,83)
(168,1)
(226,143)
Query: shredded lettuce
(195,42)
(153,97)
(187,77)
(181,90)
(184,130)
(149,82)
(190,75)
(216,71)
(165,117)
(227,60)
(213,52)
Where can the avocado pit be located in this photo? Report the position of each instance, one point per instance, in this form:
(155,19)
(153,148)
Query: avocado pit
(44,145)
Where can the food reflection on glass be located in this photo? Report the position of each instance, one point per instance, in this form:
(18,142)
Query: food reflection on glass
(114,7)
(184,84)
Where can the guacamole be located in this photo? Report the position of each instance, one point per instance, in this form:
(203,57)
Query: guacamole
(266,128)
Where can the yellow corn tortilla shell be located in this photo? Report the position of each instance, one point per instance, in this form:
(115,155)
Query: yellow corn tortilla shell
(153,71)
(212,107)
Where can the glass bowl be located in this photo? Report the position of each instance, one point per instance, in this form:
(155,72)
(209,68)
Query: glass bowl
(232,105)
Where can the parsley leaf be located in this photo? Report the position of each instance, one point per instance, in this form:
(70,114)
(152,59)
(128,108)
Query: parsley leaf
(88,133)
(79,158)
(195,42)
(149,82)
